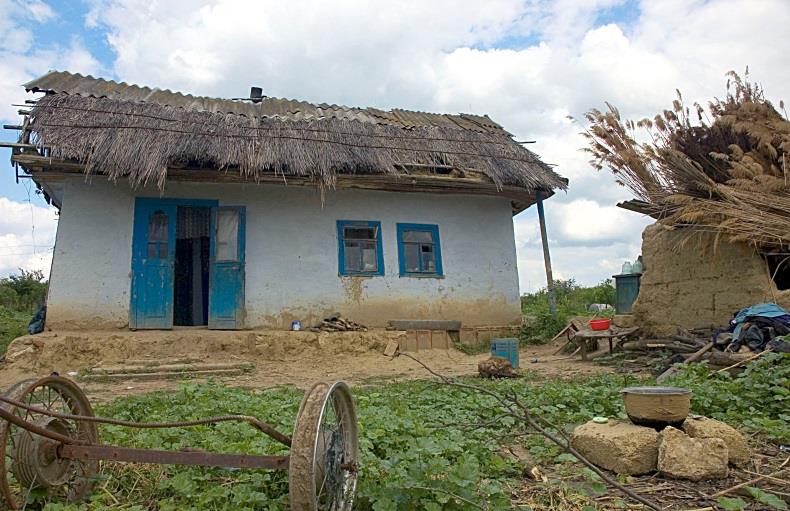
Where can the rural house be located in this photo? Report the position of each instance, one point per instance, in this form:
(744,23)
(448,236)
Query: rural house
(177,210)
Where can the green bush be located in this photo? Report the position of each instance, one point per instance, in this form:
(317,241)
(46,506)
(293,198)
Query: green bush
(572,300)
(12,325)
(23,292)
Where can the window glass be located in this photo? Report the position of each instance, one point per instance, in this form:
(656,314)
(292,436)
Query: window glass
(359,233)
(418,236)
(361,245)
(227,235)
(157,235)
(411,253)
(418,247)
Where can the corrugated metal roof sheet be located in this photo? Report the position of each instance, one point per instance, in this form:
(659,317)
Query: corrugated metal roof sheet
(61,82)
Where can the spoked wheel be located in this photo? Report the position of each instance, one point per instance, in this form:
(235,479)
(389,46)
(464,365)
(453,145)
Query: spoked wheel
(323,464)
(31,469)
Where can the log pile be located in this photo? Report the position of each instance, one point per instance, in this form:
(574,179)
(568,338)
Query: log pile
(337,323)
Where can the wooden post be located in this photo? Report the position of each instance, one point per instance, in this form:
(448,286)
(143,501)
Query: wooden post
(546,256)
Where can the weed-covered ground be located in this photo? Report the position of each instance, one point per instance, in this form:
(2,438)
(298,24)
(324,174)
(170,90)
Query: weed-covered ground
(419,449)
(13,324)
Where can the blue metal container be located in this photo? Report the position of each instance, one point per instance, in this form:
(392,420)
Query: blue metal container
(507,349)
(627,289)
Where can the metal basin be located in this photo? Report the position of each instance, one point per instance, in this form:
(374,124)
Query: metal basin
(657,407)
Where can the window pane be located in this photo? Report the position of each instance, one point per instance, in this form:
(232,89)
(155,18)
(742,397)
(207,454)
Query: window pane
(227,234)
(352,257)
(411,253)
(428,259)
(360,256)
(157,227)
(418,236)
(369,259)
(359,233)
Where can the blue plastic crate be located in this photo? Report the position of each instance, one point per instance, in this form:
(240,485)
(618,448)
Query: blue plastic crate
(507,349)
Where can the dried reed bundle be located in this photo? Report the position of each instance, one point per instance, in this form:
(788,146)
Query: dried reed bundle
(727,172)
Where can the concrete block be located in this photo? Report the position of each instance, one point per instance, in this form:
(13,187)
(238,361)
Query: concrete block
(739,451)
(683,457)
(618,446)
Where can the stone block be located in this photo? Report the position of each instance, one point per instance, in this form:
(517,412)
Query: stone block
(618,446)
(739,451)
(683,457)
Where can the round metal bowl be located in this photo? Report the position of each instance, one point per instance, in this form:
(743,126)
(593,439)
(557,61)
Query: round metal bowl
(657,407)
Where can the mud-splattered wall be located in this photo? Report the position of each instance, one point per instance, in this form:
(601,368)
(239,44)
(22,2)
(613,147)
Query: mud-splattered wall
(692,282)
(292,256)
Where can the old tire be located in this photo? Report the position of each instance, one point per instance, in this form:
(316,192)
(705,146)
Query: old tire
(323,464)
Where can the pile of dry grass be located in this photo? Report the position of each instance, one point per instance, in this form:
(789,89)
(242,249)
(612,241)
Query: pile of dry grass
(727,172)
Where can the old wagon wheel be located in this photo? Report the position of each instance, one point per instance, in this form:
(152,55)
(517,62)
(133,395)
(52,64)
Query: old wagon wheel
(323,465)
(30,465)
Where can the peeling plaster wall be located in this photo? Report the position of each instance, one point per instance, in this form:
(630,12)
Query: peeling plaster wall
(691,282)
(292,260)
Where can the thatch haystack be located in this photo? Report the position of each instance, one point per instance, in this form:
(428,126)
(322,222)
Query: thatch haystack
(727,172)
(124,130)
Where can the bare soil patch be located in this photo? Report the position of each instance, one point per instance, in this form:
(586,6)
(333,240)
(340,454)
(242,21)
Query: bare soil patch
(280,357)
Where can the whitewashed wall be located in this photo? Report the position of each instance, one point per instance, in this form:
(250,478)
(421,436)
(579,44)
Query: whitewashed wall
(292,261)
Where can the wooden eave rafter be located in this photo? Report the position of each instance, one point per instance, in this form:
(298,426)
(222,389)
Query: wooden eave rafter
(44,169)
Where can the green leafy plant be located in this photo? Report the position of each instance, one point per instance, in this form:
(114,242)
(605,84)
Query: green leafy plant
(540,325)
(763,497)
(422,445)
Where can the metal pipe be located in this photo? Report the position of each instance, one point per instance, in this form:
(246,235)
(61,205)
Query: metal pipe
(546,256)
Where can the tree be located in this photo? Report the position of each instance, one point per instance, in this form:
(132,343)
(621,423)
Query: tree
(23,292)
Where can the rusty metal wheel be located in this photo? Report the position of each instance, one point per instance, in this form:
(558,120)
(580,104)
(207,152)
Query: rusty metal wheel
(31,469)
(323,464)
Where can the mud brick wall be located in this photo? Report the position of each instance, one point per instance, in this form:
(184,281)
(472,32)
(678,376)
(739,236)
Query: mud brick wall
(692,282)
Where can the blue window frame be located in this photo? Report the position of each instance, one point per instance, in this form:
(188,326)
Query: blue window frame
(419,250)
(359,248)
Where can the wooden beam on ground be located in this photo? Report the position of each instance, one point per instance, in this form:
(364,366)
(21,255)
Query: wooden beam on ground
(693,358)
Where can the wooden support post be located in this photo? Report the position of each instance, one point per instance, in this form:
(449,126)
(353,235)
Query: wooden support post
(546,256)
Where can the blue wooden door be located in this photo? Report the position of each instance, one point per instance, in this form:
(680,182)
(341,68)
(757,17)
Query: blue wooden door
(226,278)
(153,259)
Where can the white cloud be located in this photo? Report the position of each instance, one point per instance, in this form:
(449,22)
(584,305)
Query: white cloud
(444,55)
(21,60)
(40,11)
(28,235)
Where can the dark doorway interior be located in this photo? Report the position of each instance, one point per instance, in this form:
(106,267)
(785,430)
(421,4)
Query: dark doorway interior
(191,266)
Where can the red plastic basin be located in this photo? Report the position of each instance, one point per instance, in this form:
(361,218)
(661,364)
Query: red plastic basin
(600,324)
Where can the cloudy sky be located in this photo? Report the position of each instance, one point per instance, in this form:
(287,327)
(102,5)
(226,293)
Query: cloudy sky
(529,65)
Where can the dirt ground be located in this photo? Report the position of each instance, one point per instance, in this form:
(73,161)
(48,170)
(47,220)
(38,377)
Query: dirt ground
(279,357)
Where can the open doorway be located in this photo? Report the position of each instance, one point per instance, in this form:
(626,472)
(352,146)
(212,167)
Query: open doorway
(191,272)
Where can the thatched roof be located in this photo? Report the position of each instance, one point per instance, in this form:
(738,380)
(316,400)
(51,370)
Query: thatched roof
(129,131)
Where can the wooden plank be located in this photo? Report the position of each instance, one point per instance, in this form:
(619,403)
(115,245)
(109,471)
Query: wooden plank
(410,343)
(693,358)
(423,340)
(392,348)
(440,340)
(44,167)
